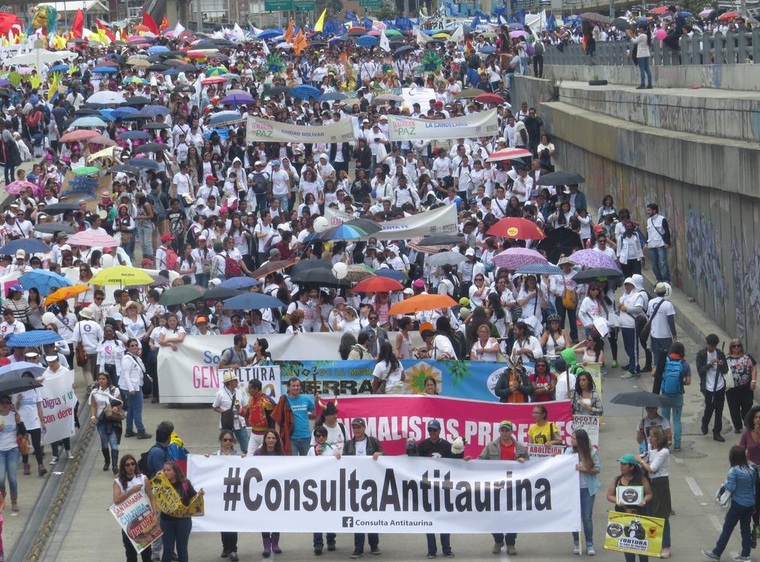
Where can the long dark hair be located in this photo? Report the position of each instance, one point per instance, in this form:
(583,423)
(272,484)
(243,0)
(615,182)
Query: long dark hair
(583,448)
(277,448)
(123,470)
(386,354)
(737,456)
(347,341)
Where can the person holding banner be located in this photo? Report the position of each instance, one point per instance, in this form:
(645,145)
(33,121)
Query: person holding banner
(505,448)
(588,467)
(741,482)
(272,446)
(513,386)
(291,416)
(630,475)
(177,529)
(543,432)
(103,395)
(129,482)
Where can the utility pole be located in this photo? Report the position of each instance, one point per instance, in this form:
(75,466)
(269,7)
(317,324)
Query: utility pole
(199,15)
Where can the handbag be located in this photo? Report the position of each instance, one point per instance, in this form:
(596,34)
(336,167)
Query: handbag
(22,439)
(646,330)
(114,412)
(569,299)
(723,496)
(81,354)
(228,419)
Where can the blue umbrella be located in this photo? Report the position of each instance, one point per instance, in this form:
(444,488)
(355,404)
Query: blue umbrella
(392,274)
(107,114)
(237,99)
(105,70)
(29,245)
(487,49)
(305,92)
(252,301)
(540,269)
(368,41)
(134,135)
(60,68)
(155,50)
(44,281)
(333,96)
(123,111)
(269,34)
(171,72)
(34,338)
(155,110)
(143,163)
(239,283)
(21,367)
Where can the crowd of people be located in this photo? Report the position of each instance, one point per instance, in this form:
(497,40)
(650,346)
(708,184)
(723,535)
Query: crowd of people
(211,205)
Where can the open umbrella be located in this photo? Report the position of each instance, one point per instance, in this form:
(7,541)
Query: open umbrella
(515,258)
(218,293)
(269,34)
(121,275)
(378,285)
(85,171)
(123,168)
(237,99)
(402,50)
(152,147)
(359,272)
(79,135)
(19,368)
(43,280)
(516,228)
(489,98)
(540,269)
(224,117)
(441,240)
(306,265)
(15,187)
(53,227)
(134,135)
(252,301)
(596,18)
(420,303)
(560,178)
(509,154)
(621,23)
(14,385)
(351,230)
(88,121)
(60,208)
(594,259)
(156,125)
(92,238)
(468,93)
(305,92)
(65,293)
(367,41)
(146,163)
(641,399)
(560,242)
(333,96)
(320,277)
(239,283)
(444,258)
(272,267)
(392,274)
(29,245)
(596,274)
(182,294)
(33,338)
(107,97)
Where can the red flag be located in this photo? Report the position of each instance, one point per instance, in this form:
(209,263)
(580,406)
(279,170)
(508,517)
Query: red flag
(78,25)
(150,23)
(102,25)
(164,23)
(10,23)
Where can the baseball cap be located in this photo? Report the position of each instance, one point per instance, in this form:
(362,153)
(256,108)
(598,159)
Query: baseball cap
(627,459)
(359,421)
(661,288)
(469,252)
(337,301)
(166,237)
(31,355)
(506,424)
(20,254)
(434,424)
(210,178)
(201,320)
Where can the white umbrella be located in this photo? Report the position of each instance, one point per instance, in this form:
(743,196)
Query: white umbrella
(40,57)
(107,97)
(443,258)
(284,46)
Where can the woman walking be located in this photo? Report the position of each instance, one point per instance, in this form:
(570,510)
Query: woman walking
(588,467)
(10,425)
(740,396)
(129,482)
(657,464)
(102,395)
(177,529)
(227,448)
(741,483)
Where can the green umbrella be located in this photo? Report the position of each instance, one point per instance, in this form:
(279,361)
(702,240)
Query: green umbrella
(181,295)
(86,171)
(468,93)
(392,32)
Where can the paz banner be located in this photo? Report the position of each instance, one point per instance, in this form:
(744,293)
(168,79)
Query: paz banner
(481,124)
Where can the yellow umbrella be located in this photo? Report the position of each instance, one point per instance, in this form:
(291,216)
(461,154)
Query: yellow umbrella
(441,35)
(121,275)
(105,153)
(134,61)
(65,293)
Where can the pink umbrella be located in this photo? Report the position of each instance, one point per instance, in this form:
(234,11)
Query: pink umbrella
(91,238)
(518,33)
(509,154)
(593,259)
(515,258)
(14,188)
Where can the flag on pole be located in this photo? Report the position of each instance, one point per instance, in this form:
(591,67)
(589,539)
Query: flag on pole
(420,36)
(289,31)
(179,28)
(458,35)
(265,48)
(53,86)
(150,23)
(299,43)
(78,25)
(104,28)
(385,45)
(164,23)
(320,25)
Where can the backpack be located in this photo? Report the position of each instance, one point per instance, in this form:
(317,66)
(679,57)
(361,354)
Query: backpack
(231,267)
(33,118)
(171,259)
(671,377)
(142,464)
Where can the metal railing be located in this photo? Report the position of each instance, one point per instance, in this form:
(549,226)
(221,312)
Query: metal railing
(731,48)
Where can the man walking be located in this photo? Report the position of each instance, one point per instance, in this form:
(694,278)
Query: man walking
(658,242)
(712,368)
(662,317)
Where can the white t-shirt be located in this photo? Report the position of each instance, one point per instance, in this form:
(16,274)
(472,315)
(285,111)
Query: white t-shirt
(660,326)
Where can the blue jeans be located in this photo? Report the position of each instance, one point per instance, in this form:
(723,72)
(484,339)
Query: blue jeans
(176,535)
(644,70)
(284,204)
(242,436)
(134,410)
(736,514)
(107,440)
(587,512)
(506,538)
(319,540)
(8,467)
(676,405)
(629,343)
(445,543)
(145,232)
(660,347)
(300,447)
(373,538)
(659,259)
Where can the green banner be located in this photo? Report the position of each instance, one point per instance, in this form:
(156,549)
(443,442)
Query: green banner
(278,5)
(371,4)
(304,6)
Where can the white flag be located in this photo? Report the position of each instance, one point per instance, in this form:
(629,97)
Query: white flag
(420,36)
(265,48)
(458,35)
(385,45)
(237,31)
(178,29)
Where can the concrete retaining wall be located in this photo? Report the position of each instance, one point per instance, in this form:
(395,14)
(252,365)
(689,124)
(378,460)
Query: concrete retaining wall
(705,187)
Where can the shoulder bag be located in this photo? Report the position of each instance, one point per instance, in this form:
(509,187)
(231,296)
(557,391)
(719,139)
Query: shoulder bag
(646,330)
(81,354)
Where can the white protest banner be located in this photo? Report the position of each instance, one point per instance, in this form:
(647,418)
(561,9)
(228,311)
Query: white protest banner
(266,130)
(390,495)
(442,220)
(138,520)
(58,402)
(191,375)
(480,124)
(591,425)
(545,450)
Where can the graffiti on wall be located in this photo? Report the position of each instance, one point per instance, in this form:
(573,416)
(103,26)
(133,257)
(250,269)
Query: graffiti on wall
(751,280)
(702,253)
(738,276)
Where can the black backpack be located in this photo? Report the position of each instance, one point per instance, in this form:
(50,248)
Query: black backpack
(142,464)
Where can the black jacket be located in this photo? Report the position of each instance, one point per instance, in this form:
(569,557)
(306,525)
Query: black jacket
(703,367)
(373,446)
(503,391)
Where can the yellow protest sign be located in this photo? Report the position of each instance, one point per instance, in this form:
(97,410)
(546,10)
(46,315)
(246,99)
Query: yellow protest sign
(168,500)
(636,534)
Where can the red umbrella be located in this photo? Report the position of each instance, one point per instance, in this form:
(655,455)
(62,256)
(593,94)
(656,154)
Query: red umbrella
(378,285)
(659,11)
(728,16)
(517,229)
(214,80)
(509,154)
(79,135)
(490,98)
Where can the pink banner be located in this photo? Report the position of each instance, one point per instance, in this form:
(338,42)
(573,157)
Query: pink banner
(393,419)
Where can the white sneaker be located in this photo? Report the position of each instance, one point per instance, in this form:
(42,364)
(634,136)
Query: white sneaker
(576,549)
(741,558)
(71,455)
(590,550)
(53,461)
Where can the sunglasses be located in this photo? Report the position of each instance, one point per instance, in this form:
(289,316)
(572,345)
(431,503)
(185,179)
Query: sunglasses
(130,464)
(227,440)
(736,345)
(374,318)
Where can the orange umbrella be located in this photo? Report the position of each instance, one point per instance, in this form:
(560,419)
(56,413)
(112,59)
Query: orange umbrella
(79,135)
(65,293)
(378,285)
(516,228)
(420,303)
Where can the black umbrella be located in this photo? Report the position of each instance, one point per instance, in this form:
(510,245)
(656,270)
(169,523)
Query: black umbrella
(219,293)
(319,277)
(307,265)
(53,227)
(152,147)
(441,240)
(621,23)
(127,169)
(641,399)
(156,125)
(10,384)
(158,67)
(224,43)
(181,89)
(137,100)
(144,163)
(139,116)
(560,242)
(276,91)
(596,274)
(204,45)
(402,50)
(86,111)
(560,178)
(60,208)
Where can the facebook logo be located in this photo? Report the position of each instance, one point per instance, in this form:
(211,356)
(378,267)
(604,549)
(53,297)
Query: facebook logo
(348,522)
